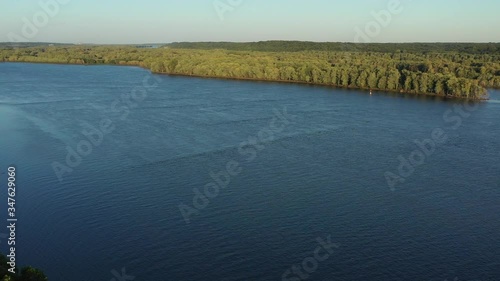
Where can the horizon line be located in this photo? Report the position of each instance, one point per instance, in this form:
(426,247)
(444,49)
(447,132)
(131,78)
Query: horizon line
(247,42)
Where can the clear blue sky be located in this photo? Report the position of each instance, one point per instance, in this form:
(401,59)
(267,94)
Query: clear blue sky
(134,21)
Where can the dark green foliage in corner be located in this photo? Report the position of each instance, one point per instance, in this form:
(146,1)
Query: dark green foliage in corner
(24,274)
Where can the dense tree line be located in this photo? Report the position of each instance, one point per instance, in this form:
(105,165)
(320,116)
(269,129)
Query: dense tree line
(297,46)
(452,74)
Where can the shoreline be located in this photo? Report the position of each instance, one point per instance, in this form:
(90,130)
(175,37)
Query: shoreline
(400,92)
(444,97)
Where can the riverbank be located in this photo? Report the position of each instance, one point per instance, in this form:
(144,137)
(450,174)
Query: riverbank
(368,90)
(441,75)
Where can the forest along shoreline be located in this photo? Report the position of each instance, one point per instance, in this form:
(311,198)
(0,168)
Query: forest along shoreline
(462,71)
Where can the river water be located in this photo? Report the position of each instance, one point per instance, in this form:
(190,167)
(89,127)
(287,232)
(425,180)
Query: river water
(128,175)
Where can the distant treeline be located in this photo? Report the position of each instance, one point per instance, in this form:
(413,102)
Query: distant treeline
(298,46)
(448,73)
(12,45)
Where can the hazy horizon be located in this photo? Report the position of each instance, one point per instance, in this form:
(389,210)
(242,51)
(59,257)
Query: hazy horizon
(284,40)
(364,21)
